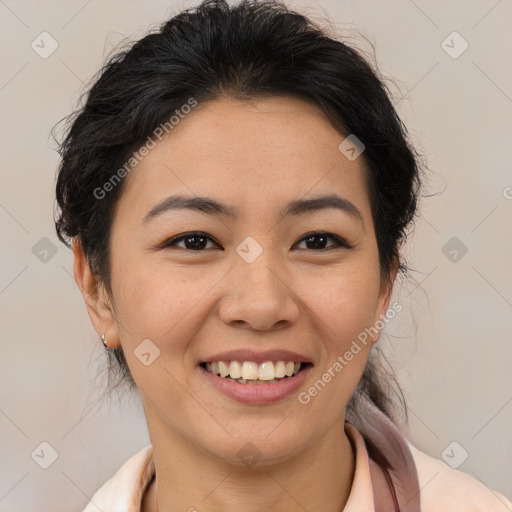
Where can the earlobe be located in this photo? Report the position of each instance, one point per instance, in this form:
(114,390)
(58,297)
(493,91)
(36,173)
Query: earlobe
(95,296)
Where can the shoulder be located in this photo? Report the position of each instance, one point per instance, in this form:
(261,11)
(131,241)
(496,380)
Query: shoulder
(444,489)
(123,491)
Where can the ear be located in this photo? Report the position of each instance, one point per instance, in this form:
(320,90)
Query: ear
(383,301)
(97,300)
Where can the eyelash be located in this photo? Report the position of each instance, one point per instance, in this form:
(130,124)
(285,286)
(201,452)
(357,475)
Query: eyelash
(340,243)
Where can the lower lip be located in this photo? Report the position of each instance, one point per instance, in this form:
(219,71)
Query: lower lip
(256,394)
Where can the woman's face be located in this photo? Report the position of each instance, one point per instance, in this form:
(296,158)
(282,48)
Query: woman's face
(253,281)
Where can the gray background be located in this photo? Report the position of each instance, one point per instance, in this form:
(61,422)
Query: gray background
(451,346)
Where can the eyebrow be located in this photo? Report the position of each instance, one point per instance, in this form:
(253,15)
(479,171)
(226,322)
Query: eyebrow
(212,207)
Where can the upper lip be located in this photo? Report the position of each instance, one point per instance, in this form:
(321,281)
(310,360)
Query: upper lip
(257,356)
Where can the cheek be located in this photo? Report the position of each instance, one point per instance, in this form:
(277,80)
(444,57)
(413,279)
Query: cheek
(164,304)
(152,305)
(345,311)
(345,303)
(351,320)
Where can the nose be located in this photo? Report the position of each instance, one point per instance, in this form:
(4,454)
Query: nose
(259,295)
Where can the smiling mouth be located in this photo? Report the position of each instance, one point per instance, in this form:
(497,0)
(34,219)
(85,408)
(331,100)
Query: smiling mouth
(250,372)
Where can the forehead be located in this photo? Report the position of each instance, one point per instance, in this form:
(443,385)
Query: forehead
(250,154)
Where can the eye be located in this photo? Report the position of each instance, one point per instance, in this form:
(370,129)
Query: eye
(318,239)
(196,241)
(193,241)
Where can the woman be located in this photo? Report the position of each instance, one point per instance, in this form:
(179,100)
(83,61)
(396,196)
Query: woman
(235,191)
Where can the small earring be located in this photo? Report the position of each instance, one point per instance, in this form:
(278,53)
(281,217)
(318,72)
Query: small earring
(104,341)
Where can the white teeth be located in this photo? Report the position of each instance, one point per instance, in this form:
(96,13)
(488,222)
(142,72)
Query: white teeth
(223,369)
(249,370)
(280,369)
(235,370)
(266,371)
(253,373)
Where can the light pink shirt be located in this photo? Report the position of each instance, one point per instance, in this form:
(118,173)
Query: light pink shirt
(421,483)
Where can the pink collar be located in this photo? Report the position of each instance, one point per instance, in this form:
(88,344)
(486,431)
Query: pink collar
(391,467)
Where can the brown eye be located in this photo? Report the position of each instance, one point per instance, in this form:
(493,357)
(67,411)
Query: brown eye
(317,241)
(195,241)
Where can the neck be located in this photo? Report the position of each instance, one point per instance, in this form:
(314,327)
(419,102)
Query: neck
(317,478)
